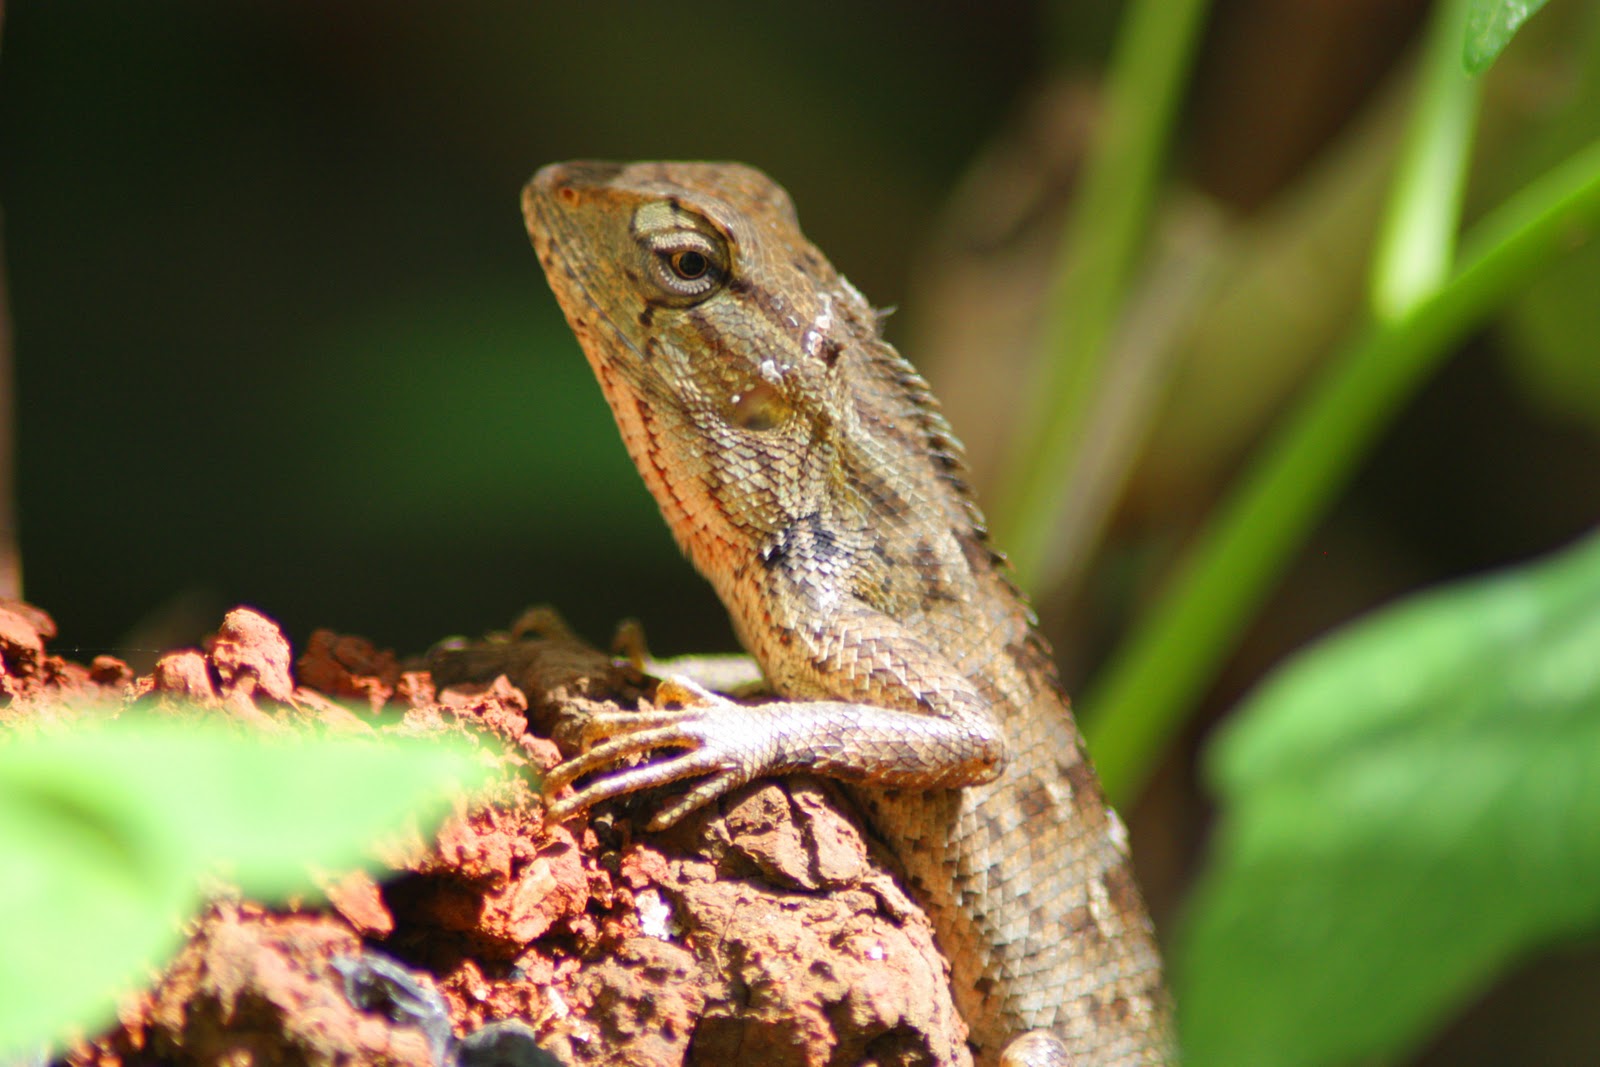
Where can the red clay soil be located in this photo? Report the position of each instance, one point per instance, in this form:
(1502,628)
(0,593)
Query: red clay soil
(767,930)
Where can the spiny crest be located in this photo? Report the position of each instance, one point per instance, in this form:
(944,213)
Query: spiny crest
(944,449)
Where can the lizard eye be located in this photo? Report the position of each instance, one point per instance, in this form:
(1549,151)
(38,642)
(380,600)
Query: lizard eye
(688,265)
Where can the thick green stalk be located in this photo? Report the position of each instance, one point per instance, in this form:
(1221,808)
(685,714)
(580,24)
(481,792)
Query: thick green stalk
(1104,236)
(1416,245)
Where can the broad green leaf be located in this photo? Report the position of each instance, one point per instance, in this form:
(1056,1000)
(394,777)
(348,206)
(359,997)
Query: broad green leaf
(87,907)
(106,831)
(1405,808)
(1490,26)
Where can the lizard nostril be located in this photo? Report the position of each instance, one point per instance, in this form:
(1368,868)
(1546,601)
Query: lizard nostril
(568,194)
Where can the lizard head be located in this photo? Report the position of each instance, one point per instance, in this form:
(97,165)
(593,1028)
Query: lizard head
(713,325)
(748,377)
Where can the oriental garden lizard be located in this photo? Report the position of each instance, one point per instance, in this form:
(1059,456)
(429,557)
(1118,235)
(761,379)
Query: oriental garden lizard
(806,470)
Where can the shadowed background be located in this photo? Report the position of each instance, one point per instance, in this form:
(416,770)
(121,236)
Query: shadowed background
(280,334)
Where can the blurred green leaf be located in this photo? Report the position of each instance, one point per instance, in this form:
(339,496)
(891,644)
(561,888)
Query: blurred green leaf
(1406,807)
(87,908)
(106,830)
(1490,26)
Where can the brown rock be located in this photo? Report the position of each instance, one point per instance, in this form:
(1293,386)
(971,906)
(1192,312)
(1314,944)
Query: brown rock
(255,988)
(349,668)
(251,655)
(357,899)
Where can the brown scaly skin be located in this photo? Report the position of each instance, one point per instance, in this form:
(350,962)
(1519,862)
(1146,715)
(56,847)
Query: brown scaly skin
(808,473)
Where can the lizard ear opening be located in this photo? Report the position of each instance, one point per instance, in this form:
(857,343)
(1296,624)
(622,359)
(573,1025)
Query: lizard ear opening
(759,408)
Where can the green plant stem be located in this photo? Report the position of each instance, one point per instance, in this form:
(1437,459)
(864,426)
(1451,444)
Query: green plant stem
(1104,235)
(1142,696)
(1416,244)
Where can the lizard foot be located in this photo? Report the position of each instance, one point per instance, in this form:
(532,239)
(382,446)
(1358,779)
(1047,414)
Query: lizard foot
(720,740)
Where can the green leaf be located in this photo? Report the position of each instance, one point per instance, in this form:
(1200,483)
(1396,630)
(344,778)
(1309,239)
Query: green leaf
(1405,808)
(106,831)
(1490,26)
(87,910)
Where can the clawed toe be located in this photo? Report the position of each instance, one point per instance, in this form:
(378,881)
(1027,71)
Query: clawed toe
(646,776)
(608,738)
(684,691)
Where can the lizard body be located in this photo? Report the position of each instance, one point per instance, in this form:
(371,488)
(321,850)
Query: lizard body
(807,472)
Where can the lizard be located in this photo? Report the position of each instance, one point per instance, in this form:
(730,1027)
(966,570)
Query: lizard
(807,472)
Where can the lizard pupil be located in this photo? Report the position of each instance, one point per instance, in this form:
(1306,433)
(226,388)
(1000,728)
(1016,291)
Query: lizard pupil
(689,265)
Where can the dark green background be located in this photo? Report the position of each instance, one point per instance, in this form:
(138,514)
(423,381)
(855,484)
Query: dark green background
(279,334)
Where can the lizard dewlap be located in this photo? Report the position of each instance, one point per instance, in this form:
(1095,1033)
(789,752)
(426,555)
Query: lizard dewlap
(808,473)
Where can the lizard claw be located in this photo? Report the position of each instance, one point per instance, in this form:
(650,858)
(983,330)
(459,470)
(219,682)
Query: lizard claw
(684,691)
(715,744)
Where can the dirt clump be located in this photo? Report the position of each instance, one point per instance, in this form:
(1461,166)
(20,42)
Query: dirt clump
(766,929)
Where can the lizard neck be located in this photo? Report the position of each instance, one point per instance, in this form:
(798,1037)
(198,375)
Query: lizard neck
(697,518)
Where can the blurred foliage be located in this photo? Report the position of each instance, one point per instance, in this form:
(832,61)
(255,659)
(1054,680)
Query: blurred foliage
(1490,26)
(1408,809)
(1426,299)
(107,831)
(1552,326)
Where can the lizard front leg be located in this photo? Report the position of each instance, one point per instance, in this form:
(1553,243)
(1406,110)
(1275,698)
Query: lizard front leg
(939,735)
(922,726)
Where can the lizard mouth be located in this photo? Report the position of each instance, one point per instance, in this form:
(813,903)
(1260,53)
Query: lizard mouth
(548,230)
